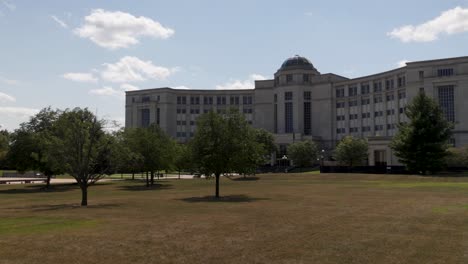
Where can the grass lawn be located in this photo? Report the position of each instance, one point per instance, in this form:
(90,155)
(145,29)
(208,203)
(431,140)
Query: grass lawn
(289,218)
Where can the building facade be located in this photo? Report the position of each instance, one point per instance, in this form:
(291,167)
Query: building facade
(301,103)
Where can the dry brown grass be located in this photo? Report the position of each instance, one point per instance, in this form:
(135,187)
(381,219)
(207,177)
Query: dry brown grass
(291,218)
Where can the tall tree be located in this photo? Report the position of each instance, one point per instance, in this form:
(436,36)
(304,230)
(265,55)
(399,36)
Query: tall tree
(83,148)
(303,153)
(32,145)
(351,151)
(219,142)
(422,143)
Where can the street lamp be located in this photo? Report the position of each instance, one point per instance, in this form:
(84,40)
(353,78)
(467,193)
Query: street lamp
(284,158)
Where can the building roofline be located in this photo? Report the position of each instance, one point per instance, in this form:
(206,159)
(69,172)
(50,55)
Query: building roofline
(182,90)
(439,60)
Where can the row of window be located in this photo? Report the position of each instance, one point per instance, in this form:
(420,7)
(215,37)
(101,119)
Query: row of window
(220,100)
(366,101)
(197,111)
(368,114)
(342,130)
(289,78)
(365,87)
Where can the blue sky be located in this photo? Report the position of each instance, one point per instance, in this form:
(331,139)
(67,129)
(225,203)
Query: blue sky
(87,53)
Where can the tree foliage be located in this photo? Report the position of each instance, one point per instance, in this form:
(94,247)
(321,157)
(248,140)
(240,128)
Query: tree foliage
(303,153)
(421,144)
(351,151)
(32,145)
(224,144)
(83,148)
(152,146)
(457,157)
(4,146)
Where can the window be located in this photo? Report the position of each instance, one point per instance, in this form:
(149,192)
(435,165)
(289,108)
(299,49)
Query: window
(378,113)
(340,118)
(353,130)
(377,99)
(305,78)
(352,91)
(390,112)
(288,96)
(288,117)
(390,97)
(365,101)
(194,100)
(446,101)
(247,110)
(289,77)
(307,96)
(195,111)
(234,100)
(421,89)
(365,89)
(366,115)
(341,130)
(401,81)
(377,87)
(378,127)
(181,100)
(421,75)
(207,100)
(307,118)
(401,95)
(365,128)
(145,99)
(275,116)
(340,92)
(402,110)
(192,123)
(352,103)
(221,100)
(445,72)
(389,84)
(158,116)
(340,105)
(247,100)
(390,126)
(145,117)
(353,116)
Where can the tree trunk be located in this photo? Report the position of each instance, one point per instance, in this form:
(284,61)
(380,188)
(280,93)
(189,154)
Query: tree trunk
(158,175)
(179,174)
(217,185)
(133,176)
(48,181)
(147,180)
(152,178)
(84,195)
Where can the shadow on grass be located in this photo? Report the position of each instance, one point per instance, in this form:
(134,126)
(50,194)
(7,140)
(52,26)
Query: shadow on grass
(223,199)
(41,189)
(55,207)
(246,178)
(138,188)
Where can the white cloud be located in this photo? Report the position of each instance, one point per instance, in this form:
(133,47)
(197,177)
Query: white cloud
(80,77)
(18,111)
(402,63)
(6,98)
(129,87)
(241,84)
(132,69)
(450,22)
(59,21)
(9,81)
(9,5)
(107,91)
(114,30)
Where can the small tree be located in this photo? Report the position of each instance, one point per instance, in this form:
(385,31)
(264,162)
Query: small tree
(303,153)
(421,144)
(83,148)
(182,158)
(219,143)
(351,151)
(4,146)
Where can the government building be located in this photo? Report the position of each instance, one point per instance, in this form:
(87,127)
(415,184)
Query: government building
(301,103)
